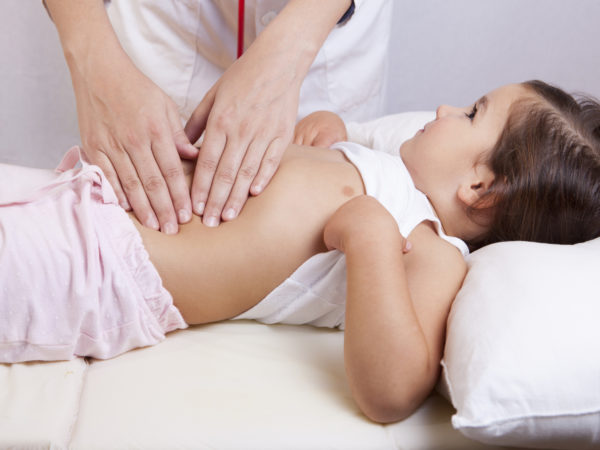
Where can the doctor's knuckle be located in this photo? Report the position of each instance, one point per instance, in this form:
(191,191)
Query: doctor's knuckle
(132,141)
(248,171)
(92,144)
(153,183)
(208,164)
(270,163)
(245,129)
(222,121)
(225,175)
(130,183)
(155,130)
(262,134)
(172,173)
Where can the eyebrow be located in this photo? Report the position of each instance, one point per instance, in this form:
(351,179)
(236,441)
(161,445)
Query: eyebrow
(482,102)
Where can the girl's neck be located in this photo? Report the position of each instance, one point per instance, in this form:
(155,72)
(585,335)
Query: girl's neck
(455,220)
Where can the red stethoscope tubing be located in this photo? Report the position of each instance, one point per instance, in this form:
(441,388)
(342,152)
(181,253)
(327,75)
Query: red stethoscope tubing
(240,33)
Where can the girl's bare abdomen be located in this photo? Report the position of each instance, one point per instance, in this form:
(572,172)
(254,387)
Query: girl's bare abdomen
(218,273)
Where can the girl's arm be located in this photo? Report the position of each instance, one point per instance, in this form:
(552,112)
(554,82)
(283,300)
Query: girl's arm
(396,307)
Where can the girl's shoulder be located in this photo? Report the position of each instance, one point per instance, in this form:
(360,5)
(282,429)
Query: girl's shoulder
(435,261)
(428,245)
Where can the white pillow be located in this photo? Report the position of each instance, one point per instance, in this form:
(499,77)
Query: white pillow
(387,133)
(522,356)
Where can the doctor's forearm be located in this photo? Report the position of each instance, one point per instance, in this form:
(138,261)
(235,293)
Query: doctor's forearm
(300,29)
(87,37)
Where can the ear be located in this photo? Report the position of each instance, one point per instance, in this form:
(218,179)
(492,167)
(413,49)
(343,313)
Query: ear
(474,185)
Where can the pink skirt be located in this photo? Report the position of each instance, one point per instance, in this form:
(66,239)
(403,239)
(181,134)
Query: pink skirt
(75,278)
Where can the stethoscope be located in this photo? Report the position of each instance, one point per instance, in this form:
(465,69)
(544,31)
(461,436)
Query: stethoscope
(240,31)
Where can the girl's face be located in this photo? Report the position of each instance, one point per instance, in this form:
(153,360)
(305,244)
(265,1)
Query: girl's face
(453,145)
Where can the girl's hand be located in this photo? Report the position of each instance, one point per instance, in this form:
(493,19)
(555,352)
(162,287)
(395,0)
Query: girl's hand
(361,221)
(320,129)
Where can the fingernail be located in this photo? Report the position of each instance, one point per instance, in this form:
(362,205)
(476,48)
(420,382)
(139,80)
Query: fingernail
(184,215)
(229,214)
(407,246)
(170,228)
(200,208)
(211,221)
(257,189)
(151,222)
(125,205)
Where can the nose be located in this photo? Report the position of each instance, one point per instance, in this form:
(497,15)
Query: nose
(446,110)
(442,111)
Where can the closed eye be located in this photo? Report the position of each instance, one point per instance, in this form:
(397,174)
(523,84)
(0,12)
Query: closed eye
(471,115)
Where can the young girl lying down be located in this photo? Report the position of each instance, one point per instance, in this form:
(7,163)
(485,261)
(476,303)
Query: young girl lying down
(323,245)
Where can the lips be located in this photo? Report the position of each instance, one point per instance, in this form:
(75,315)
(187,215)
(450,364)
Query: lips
(424,129)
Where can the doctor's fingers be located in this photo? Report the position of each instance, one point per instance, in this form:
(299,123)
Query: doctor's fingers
(167,157)
(245,177)
(206,165)
(117,167)
(159,177)
(213,189)
(270,162)
(254,162)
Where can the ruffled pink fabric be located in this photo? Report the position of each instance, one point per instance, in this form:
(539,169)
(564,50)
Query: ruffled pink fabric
(75,278)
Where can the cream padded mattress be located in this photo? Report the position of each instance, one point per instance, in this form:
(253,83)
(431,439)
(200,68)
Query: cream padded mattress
(230,385)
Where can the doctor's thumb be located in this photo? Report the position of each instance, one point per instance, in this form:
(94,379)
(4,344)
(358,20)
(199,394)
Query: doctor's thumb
(197,122)
(184,148)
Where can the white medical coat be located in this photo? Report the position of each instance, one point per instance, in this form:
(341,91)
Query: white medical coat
(184,46)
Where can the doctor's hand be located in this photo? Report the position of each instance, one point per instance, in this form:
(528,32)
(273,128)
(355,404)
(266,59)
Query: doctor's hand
(248,118)
(131,129)
(128,126)
(248,115)
(320,129)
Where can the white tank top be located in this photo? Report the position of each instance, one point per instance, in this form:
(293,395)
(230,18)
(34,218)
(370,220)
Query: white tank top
(315,293)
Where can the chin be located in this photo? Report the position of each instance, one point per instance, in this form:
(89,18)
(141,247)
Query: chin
(403,148)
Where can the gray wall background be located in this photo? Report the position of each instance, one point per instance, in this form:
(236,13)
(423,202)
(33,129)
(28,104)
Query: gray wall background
(443,51)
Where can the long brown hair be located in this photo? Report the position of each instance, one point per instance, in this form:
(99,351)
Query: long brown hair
(547,171)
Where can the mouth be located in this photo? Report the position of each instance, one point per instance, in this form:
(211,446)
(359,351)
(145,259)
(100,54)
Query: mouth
(424,129)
